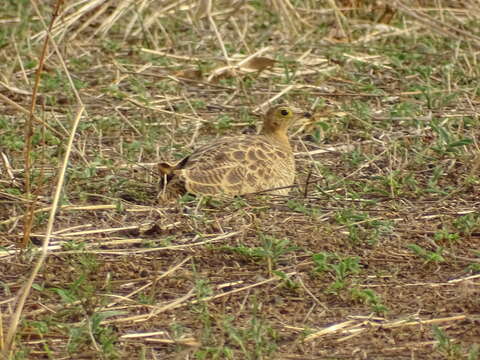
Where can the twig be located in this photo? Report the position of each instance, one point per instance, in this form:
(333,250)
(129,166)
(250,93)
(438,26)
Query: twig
(28,220)
(25,291)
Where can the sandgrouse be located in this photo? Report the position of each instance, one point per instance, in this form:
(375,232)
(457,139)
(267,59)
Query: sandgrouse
(238,165)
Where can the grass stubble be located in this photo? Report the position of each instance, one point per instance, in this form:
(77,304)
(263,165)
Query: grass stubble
(374,254)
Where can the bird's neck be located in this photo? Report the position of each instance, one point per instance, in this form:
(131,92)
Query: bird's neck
(279,136)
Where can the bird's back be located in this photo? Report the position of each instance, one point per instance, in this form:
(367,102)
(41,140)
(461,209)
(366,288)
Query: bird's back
(235,166)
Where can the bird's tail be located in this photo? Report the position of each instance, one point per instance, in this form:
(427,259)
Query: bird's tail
(166,169)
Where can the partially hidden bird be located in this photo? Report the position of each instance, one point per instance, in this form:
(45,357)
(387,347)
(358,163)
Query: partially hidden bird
(238,165)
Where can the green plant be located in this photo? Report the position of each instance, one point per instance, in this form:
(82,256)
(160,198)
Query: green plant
(363,228)
(467,224)
(271,251)
(224,122)
(355,157)
(147,299)
(289,69)
(92,331)
(474,353)
(447,142)
(287,281)
(445,235)
(369,297)
(475,267)
(429,256)
(437,174)
(445,345)
(339,267)
(302,208)
(257,340)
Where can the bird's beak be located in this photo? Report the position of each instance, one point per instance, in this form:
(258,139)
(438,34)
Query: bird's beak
(301,114)
(301,119)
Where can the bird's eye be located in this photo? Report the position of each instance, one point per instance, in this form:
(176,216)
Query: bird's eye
(284,112)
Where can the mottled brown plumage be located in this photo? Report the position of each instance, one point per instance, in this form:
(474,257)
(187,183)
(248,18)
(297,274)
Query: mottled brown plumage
(238,165)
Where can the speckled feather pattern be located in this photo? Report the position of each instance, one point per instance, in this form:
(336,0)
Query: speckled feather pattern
(237,165)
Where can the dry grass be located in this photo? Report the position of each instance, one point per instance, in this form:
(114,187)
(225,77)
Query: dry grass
(375,253)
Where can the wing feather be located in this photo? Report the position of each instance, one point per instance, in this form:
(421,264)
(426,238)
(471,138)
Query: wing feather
(235,166)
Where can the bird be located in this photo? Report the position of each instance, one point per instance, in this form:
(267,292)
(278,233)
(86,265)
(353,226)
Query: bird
(238,165)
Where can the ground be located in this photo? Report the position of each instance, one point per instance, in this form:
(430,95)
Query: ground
(374,254)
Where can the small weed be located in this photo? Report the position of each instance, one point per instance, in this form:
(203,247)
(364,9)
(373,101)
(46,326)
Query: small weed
(271,251)
(474,352)
(92,330)
(186,198)
(287,281)
(10,140)
(224,122)
(302,208)
(319,131)
(81,298)
(22,353)
(105,335)
(404,110)
(239,203)
(446,236)
(362,111)
(257,341)
(474,267)
(111,46)
(214,353)
(467,224)
(146,299)
(445,345)
(361,228)
(437,174)
(42,329)
(289,69)
(177,330)
(394,185)
(354,158)
(339,267)
(447,142)
(369,297)
(429,256)
(202,290)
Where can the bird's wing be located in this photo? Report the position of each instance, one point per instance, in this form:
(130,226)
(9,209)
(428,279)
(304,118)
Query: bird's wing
(232,166)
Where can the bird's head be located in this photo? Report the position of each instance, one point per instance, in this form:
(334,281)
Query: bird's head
(279,118)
